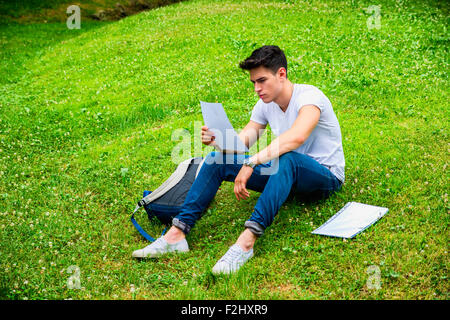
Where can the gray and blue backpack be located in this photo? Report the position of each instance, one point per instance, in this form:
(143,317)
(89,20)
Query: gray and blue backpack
(165,202)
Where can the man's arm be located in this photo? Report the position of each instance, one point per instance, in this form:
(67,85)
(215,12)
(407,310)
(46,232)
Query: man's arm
(251,133)
(293,138)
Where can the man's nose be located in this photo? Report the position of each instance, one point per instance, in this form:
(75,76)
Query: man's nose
(257,88)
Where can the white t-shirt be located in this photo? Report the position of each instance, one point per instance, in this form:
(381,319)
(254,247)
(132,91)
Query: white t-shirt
(325,142)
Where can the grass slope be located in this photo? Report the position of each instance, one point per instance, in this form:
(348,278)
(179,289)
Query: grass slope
(86,124)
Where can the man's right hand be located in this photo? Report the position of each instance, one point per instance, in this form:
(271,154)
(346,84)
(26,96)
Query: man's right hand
(208,137)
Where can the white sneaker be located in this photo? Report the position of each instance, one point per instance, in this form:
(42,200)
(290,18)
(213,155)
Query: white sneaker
(232,260)
(160,247)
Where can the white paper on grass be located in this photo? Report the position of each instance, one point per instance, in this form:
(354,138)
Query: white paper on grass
(352,219)
(215,118)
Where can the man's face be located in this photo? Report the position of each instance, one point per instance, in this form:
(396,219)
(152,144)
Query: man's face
(267,85)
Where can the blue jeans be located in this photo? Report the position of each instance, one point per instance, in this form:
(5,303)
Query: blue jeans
(291,174)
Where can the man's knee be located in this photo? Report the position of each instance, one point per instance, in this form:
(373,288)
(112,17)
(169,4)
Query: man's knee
(291,156)
(289,160)
(214,157)
(219,158)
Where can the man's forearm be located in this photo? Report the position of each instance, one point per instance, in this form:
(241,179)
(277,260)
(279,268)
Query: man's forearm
(284,143)
(244,138)
(249,136)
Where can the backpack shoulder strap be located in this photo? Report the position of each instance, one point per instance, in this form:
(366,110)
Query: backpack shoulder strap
(139,228)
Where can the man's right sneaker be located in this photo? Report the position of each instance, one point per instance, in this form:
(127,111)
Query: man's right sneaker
(160,247)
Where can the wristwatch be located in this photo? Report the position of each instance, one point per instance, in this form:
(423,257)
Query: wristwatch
(249,163)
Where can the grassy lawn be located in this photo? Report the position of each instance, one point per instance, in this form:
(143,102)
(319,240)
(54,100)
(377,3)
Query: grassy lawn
(79,106)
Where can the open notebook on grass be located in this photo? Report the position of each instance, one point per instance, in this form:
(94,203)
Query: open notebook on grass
(352,219)
(215,118)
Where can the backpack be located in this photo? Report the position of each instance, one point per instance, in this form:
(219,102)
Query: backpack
(165,202)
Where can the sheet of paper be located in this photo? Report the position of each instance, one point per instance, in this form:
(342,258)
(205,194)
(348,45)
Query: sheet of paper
(216,120)
(352,219)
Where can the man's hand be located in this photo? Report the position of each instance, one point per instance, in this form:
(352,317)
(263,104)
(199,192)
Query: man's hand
(208,137)
(241,181)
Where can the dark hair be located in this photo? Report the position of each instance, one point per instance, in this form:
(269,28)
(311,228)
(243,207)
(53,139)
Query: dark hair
(270,57)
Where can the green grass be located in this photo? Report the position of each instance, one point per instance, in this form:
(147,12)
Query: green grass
(78,106)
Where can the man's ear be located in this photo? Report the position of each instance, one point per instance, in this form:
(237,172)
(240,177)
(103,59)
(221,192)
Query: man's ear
(281,73)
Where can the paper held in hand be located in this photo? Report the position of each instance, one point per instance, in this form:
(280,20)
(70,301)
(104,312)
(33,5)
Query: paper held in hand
(215,118)
(352,219)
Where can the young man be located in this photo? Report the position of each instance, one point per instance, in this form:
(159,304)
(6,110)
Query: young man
(307,151)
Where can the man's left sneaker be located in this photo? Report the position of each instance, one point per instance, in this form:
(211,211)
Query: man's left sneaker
(232,260)
(161,247)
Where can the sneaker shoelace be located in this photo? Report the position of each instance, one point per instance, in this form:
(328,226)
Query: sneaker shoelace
(157,244)
(232,255)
